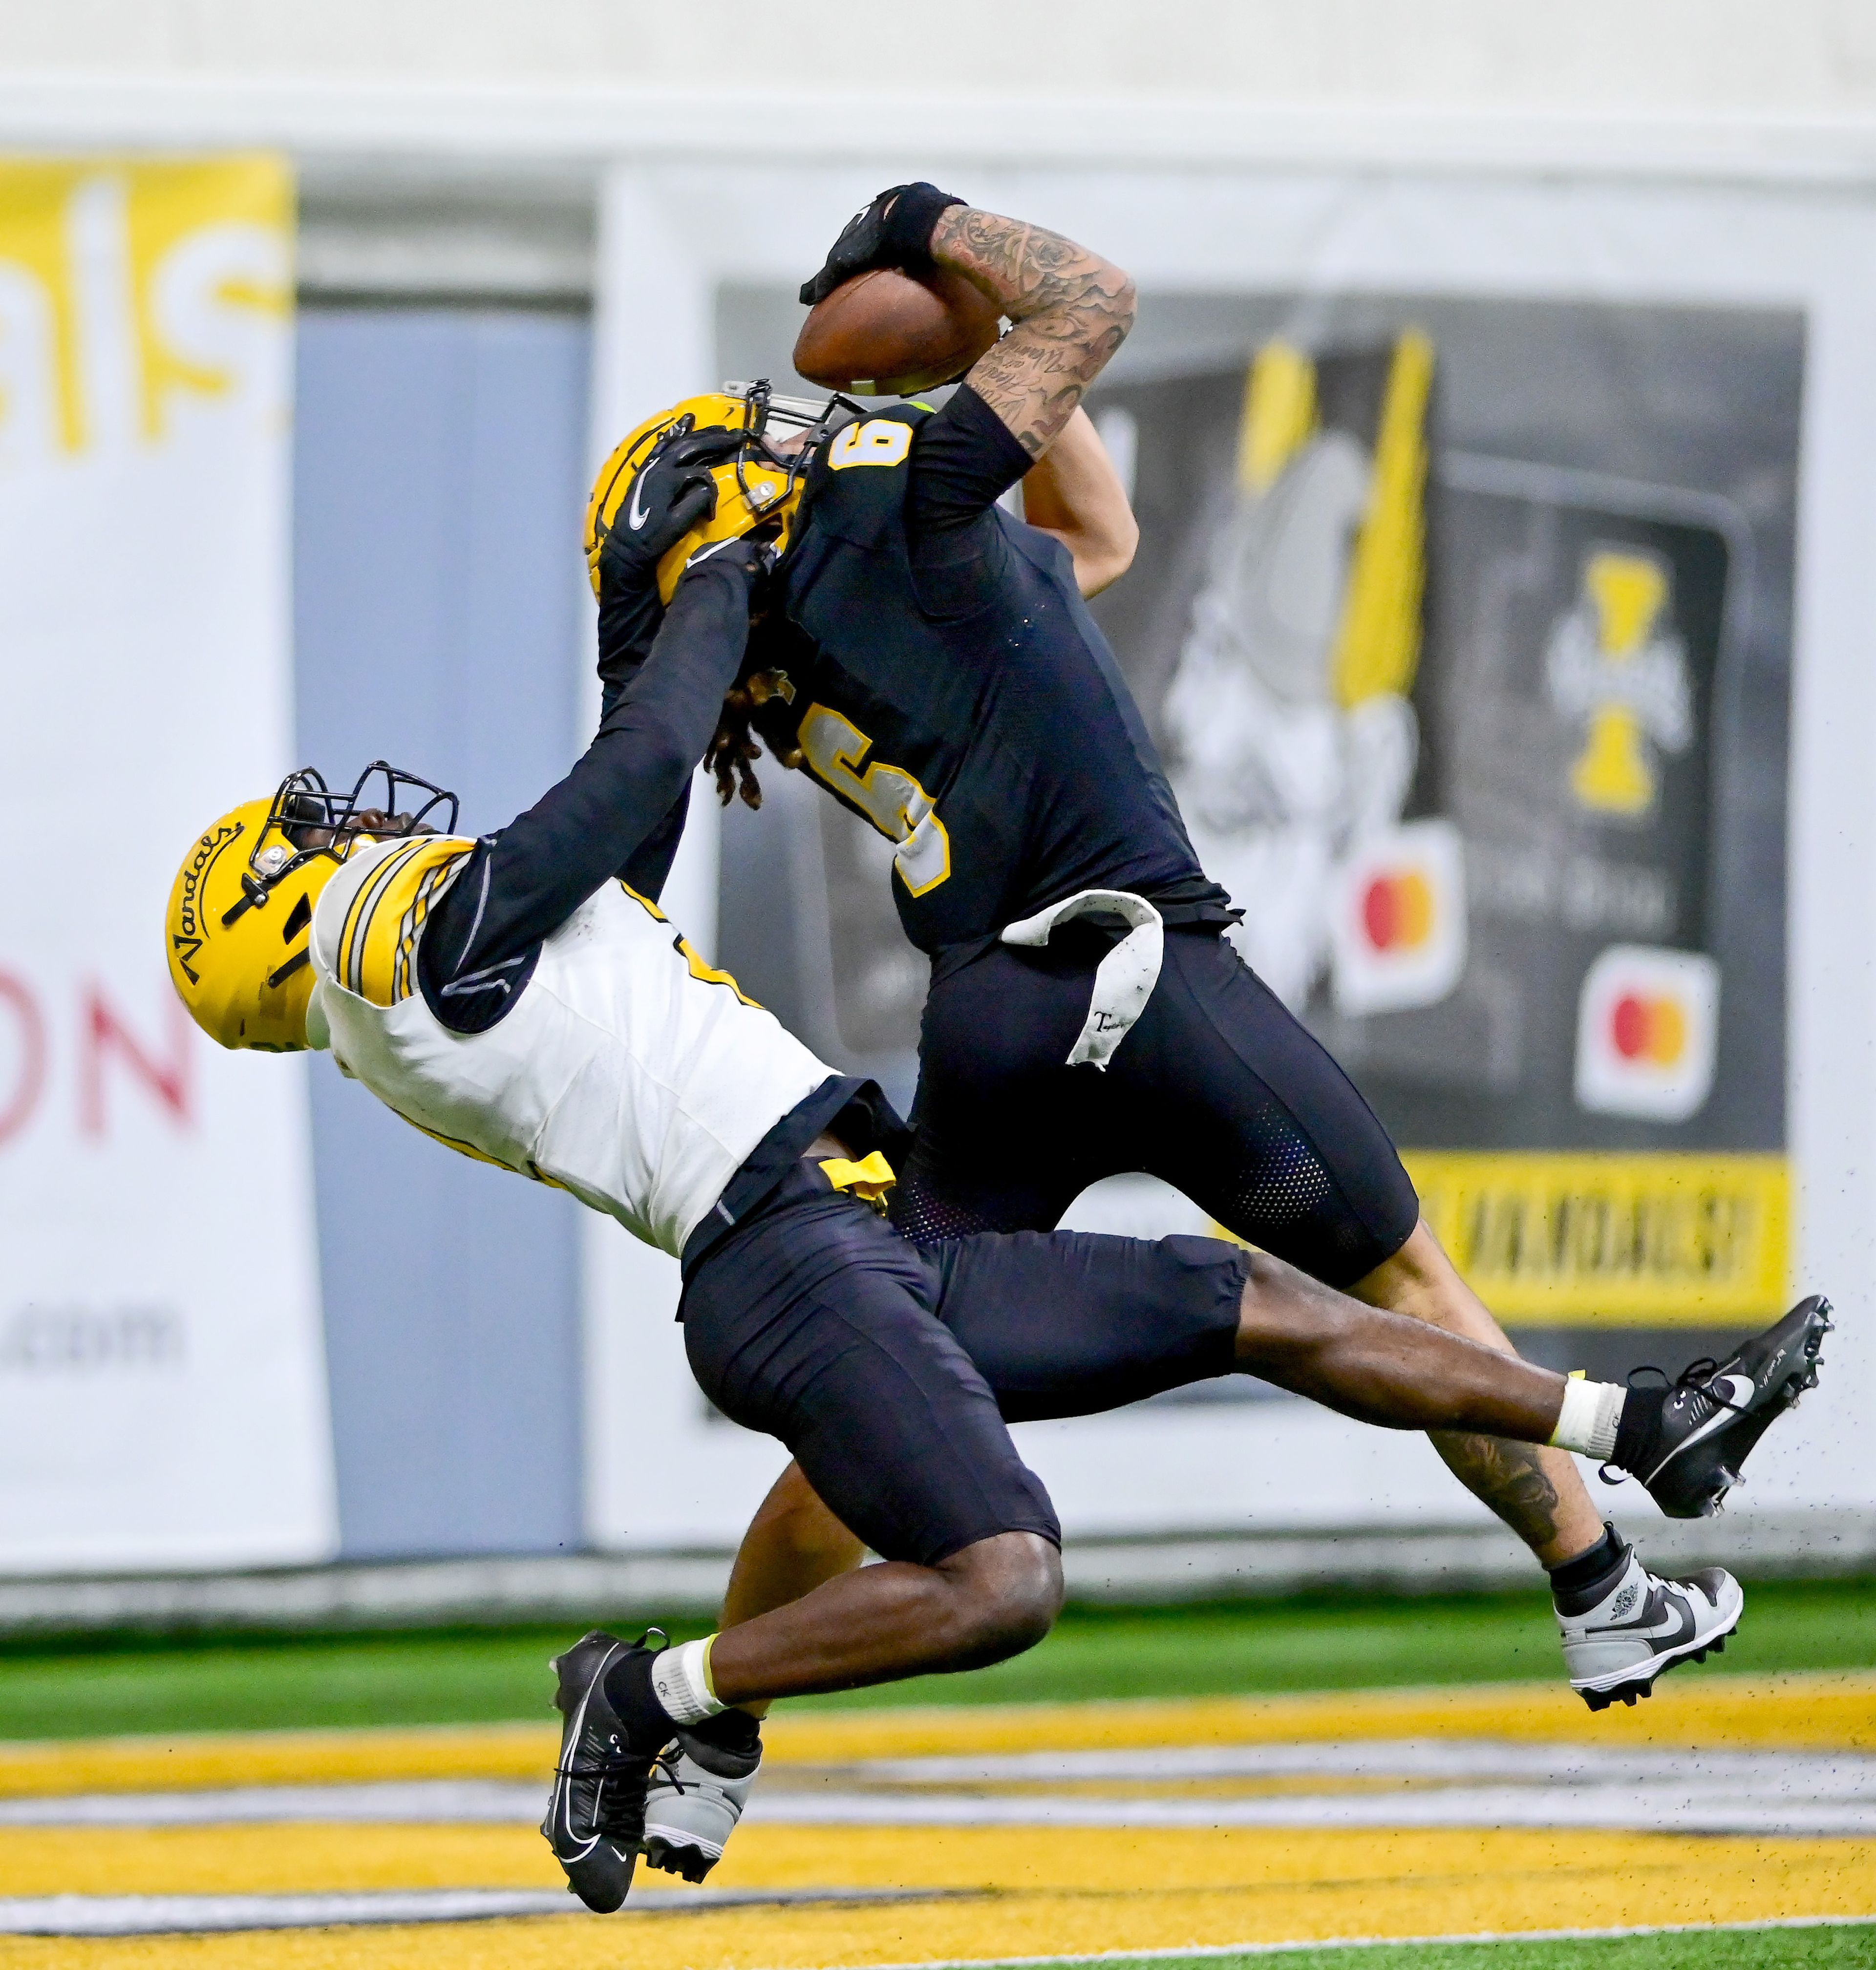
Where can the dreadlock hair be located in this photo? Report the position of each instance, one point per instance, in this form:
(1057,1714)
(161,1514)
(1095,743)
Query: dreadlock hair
(733,744)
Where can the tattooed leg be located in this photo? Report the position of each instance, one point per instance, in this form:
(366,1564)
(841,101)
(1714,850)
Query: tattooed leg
(1535,1491)
(1071,310)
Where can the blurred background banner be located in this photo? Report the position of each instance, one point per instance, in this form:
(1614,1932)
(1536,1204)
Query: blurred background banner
(1463,617)
(1502,612)
(162,1382)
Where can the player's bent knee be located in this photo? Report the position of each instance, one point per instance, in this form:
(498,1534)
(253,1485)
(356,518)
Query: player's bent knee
(1007,1592)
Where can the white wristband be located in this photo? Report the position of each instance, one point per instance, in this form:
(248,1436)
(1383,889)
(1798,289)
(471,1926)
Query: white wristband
(680,1677)
(1586,1423)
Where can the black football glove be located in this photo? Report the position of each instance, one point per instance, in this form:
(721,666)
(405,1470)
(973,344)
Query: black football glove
(754,553)
(894,231)
(669,497)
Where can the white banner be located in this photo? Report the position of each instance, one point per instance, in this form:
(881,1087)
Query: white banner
(162,1387)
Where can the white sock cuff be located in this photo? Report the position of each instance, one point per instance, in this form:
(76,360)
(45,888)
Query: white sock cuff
(680,1677)
(1588,1420)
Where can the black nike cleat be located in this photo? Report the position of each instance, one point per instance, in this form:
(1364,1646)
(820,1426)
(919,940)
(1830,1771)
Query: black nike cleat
(1687,1442)
(595,1813)
(1635,1626)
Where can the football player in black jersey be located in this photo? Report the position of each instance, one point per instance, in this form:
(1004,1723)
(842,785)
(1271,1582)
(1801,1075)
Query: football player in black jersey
(930,661)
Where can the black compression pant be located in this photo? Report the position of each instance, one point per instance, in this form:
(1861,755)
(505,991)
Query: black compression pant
(1218,1089)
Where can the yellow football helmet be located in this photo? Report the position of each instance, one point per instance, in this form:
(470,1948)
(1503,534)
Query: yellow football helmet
(238,931)
(758,483)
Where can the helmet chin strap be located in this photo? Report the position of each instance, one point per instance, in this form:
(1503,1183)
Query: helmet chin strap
(318,1031)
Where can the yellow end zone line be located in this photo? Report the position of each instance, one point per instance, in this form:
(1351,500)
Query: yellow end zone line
(1819,1711)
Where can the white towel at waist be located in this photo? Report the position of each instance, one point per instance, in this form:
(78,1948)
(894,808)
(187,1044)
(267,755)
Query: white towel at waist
(1123,979)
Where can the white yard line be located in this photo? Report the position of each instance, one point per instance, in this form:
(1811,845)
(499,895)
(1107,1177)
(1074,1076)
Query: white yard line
(1437,1782)
(173,1915)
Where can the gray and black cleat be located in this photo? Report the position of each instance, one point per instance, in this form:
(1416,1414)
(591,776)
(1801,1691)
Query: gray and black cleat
(1687,1442)
(698,1794)
(1628,1630)
(596,1813)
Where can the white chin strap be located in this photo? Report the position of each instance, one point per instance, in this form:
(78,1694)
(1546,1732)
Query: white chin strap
(318,1032)
(1123,979)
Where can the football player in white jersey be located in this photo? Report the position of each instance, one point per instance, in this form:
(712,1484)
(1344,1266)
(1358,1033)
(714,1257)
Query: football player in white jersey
(524,1001)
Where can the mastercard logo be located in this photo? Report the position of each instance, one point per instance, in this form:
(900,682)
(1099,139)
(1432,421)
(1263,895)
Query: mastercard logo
(1647,1032)
(1397,910)
(1397,920)
(1649,1029)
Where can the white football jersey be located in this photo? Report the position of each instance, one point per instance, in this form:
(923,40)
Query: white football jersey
(627,1070)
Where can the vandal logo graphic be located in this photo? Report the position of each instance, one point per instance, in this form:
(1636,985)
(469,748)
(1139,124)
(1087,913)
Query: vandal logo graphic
(186,939)
(1624,1602)
(1614,666)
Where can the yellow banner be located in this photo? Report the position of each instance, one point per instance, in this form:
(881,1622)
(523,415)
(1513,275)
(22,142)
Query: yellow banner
(1578,1241)
(130,288)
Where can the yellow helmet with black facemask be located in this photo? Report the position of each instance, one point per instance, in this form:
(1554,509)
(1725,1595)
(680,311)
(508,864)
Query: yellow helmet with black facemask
(757,481)
(238,932)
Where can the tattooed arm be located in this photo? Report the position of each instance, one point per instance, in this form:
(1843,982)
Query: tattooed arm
(1072,309)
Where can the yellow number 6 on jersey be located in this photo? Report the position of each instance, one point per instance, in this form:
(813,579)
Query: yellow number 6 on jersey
(878,441)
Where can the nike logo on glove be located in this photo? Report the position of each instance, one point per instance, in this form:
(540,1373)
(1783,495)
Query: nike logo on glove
(636,515)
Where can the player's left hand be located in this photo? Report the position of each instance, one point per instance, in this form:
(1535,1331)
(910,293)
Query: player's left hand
(669,497)
(753,555)
(894,231)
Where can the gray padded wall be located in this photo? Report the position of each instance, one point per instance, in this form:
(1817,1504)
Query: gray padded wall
(439,481)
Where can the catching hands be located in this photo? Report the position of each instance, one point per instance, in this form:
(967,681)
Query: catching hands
(671,495)
(894,231)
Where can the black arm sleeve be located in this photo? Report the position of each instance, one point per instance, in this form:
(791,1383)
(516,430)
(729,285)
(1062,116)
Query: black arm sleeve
(614,812)
(628,625)
(963,460)
(649,864)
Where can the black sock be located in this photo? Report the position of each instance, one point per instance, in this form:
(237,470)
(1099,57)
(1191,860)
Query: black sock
(629,1690)
(1589,1573)
(1636,1429)
(730,1731)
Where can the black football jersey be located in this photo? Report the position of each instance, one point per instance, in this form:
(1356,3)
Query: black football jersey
(1000,748)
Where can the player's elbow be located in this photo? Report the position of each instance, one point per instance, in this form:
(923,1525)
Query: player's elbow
(662,754)
(1127,300)
(1109,303)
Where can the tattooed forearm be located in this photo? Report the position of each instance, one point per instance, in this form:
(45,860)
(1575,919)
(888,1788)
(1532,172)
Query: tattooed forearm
(1509,1478)
(1072,309)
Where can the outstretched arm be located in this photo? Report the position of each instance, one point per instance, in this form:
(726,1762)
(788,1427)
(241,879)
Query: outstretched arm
(1074,493)
(1071,309)
(524,881)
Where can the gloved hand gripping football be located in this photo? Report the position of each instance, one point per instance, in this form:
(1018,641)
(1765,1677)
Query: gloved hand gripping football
(894,231)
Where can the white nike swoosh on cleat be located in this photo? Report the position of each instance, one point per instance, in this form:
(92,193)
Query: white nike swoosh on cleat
(566,1783)
(1739,1392)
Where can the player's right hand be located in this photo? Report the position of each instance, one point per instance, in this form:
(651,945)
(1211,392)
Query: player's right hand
(894,231)
(669,497)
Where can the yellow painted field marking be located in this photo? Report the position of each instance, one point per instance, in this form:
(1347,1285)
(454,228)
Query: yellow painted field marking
(1283,1886)
(1831,1710)
(292,1859)
(213,1759)
(1828,1711)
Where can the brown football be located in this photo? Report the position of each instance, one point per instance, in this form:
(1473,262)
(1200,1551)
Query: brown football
(886,333)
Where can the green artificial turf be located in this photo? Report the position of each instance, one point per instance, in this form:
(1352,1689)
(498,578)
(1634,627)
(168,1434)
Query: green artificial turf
(1852,1947)
(113,1685)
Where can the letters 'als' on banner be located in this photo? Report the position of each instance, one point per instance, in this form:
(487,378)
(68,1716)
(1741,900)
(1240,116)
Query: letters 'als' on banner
(162,1397)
